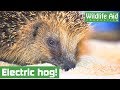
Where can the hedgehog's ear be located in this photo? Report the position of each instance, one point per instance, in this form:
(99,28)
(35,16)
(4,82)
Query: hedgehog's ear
(36,27)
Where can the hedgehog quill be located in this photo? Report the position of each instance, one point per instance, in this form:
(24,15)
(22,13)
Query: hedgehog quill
(32,37)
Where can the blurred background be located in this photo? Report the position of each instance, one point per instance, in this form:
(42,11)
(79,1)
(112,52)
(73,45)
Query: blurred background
(105,42)
(108,31)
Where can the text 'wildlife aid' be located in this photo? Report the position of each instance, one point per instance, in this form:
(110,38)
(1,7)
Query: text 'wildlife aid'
(29,72)
(102,16)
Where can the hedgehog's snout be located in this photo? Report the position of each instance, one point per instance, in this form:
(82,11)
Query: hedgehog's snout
(64,62)
(68,65)
(59,56)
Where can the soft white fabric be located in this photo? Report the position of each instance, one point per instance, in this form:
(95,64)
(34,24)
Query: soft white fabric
(92,68)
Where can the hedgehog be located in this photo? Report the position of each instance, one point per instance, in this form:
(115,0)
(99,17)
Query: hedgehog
(32,37)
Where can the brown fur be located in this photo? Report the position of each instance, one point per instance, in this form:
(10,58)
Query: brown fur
(68,27)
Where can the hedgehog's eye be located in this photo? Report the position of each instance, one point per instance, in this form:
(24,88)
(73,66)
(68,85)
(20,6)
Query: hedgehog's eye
(36,27)
(52,42)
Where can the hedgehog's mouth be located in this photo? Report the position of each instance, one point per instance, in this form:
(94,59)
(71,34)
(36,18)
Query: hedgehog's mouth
(62,62)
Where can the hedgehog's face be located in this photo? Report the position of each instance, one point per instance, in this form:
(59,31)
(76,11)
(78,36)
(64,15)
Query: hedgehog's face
(53,45)
(42,42)
(53,37)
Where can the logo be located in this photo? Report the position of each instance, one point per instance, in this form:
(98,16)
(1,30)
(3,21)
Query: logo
(29,72)
(102,16)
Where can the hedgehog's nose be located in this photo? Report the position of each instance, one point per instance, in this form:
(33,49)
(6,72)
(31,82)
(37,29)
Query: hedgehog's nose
(69,65)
